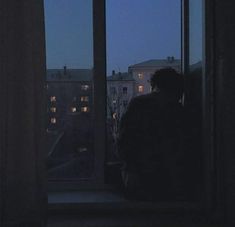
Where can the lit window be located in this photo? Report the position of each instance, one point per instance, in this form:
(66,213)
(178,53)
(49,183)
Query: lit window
(53,120)
(140,76)
(73,109)
(141,88)
(53,99)
(53,109)
(85,87)
(85,109)
(84,98)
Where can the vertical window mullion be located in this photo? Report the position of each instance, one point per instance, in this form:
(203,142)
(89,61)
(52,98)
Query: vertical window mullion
(99,88)
(185,35)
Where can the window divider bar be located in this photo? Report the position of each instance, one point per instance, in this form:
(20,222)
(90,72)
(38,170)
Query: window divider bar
(99,81)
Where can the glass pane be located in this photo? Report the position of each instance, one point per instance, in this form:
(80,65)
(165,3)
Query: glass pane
(193,100)
(69,49)
(195,33)
(143,36)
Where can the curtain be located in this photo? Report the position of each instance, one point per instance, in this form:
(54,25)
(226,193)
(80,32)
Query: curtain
(23,194)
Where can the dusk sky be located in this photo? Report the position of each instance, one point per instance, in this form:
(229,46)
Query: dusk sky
(137,30)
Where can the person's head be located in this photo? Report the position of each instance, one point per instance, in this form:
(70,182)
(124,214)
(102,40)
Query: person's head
(169,81)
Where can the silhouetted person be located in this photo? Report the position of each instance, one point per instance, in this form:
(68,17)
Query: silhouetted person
(150,140)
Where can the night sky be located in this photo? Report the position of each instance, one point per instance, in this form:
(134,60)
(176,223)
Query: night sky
(137,30)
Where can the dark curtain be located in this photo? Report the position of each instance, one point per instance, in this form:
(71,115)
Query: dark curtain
(23,197)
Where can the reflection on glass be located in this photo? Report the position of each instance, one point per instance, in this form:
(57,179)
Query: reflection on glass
(69,49)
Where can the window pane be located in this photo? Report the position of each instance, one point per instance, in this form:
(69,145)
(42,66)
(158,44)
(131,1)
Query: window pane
(194,90)
(195,33)
(69,49)
(143,36)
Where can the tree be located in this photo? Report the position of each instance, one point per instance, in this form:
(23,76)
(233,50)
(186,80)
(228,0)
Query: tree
(117,103)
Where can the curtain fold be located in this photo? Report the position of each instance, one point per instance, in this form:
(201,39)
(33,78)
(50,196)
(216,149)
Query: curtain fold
(23,197)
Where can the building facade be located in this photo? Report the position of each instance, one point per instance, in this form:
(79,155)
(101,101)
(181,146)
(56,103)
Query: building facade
(69,94)
(120,90)
(143,71)
(69,122)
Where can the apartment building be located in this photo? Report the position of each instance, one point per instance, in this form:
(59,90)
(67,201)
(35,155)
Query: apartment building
(143,71)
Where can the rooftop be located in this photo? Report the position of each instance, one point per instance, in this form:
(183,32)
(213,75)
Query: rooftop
(120,76)
(168,62)
(66,74)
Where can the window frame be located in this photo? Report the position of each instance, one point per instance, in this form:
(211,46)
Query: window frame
(211,192)
(212,169)
(99,108)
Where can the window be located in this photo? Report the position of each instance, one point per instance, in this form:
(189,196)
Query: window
(73,109)
(195,87)
(53,99)
(140,88)
(140,76)
(69,39)
(113,90)
(53,120)
(124,90)
(136,67)
(84,98)
(85,109)
(127,85)
(53,109)
(85,87)
(195,74)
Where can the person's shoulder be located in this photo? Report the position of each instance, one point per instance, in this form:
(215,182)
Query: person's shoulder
(138,102)
(142,98)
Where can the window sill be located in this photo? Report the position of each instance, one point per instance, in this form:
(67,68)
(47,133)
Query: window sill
(99,201)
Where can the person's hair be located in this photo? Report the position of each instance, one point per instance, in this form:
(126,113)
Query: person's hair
(169,81)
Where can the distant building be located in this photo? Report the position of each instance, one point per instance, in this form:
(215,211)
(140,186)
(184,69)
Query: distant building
(69,111)
(142,72)
(120,89)
(69,93)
